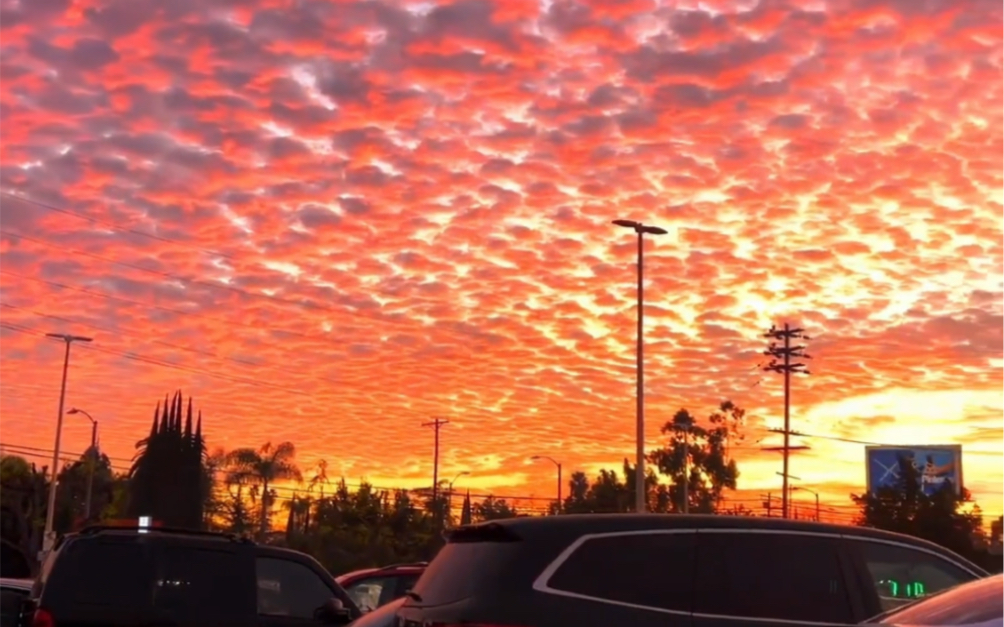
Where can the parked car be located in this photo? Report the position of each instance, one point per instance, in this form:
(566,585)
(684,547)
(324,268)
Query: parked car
(978,602)
(13,592)
(383,616)
(673,570)
(374,587)
(129,576)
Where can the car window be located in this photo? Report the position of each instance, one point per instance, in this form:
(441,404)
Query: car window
(370,593)
(901,574)
(975,602)
(406,583)
(102,573)
(651,570)
(771,575)
(288,588)
(463,567)
(202,582)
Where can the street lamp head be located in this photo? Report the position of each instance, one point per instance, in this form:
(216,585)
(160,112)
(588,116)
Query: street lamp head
(73,410)
(535,457)
(464,473)
(69,338)
(654,230)
(630,224)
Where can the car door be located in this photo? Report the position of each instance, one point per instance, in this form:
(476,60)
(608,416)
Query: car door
(893,574)
(766,576)
(11,600)
(290,593)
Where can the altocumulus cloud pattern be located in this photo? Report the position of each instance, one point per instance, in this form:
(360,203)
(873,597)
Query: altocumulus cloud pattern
(331,220)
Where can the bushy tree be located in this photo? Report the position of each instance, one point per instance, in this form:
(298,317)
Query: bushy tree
(492,508)
(697,454)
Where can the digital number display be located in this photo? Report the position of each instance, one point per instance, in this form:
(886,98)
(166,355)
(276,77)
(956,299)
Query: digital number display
(904,589)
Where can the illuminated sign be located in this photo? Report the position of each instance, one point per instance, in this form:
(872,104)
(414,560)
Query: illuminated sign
(937,466)
(903,589)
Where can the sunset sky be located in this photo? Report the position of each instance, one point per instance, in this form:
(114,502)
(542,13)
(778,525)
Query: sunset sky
(330,221)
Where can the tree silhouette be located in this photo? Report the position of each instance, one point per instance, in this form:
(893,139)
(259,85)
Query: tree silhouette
(167,480)
(492,508)
(699,455)
(262,468)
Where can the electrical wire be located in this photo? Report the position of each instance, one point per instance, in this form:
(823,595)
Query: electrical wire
(157,362)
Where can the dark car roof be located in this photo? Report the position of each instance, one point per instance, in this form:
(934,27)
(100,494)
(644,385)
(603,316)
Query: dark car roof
(543,527)
(20,584)
(156,533)
(417,567)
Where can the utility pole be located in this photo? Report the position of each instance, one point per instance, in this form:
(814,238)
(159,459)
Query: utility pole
(49,539)
(769,504)
(436,425)
(781,361)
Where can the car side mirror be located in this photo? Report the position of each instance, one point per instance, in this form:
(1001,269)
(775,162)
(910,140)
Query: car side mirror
(334,612)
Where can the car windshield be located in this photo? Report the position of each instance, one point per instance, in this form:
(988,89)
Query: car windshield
(971,603)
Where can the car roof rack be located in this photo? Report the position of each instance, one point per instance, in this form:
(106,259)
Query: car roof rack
(405,565)
(94,529)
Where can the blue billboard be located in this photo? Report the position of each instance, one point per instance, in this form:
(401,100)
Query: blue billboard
(937,466)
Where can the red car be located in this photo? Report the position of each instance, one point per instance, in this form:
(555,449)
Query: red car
(372,587)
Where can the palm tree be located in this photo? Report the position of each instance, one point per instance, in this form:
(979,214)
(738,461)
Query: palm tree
(262,468)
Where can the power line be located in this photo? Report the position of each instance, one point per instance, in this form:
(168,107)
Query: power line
(121,331)
(224,321)
(146,336)
(179,312)
(157,362)
(781,361)
(211,284)
(115,227)
(850,440)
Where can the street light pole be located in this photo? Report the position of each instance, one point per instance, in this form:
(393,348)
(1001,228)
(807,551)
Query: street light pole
(814,493)
(50,514)
(558,465)
(639,489)
(449,497)
(92,460)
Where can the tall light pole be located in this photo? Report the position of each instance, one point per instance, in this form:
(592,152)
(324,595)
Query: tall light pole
(449,497)
(639,471)
(92,460)
(50,514)
(558,466)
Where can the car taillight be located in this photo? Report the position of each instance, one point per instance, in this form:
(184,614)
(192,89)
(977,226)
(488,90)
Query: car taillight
(42,618)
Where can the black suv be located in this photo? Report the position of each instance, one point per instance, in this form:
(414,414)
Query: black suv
(613,570)
(113,577)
